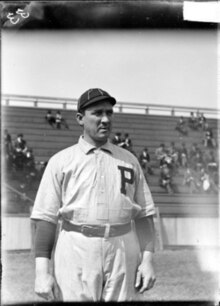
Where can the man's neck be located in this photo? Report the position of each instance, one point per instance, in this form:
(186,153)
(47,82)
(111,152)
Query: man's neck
(96,144)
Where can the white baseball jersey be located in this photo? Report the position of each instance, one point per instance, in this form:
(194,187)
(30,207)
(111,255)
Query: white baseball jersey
(88,185)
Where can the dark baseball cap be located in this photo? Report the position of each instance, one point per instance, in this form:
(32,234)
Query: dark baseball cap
(92,96)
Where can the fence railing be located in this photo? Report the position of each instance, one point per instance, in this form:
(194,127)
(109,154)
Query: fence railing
(122,107)
(22,195)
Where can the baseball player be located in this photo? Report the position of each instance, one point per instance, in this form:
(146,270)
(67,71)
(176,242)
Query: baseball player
(104,251)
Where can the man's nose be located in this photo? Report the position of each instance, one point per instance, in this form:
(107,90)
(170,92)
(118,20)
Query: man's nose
(105,118)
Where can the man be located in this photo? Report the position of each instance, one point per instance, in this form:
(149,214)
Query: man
(96,189)
(144,160)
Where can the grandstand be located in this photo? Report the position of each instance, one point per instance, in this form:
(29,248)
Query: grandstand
(145,129)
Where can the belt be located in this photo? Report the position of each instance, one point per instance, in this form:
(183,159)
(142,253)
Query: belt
(93,230)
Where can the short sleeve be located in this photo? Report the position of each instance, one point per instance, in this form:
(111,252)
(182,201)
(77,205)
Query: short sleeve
(143,196)
(48,198)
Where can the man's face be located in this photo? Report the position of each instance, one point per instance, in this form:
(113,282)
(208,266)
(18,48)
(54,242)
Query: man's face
(97,122)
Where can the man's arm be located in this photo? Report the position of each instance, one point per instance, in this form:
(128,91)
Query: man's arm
(145,278)
(44,242)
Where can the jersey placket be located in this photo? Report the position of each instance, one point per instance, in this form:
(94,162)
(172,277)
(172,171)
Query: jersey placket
(102,210)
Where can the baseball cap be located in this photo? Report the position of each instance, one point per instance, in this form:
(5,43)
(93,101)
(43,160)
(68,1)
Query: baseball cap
(92,96)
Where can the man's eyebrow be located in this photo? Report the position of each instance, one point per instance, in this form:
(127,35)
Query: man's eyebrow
(102,109)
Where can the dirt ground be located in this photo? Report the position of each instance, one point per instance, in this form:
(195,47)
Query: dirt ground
(181,276)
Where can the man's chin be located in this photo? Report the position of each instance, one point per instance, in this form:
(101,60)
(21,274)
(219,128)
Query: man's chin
(103,138)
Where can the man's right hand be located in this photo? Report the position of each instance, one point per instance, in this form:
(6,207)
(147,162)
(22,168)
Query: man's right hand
(44,286)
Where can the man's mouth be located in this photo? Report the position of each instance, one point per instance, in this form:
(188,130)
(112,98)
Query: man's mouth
(104,129)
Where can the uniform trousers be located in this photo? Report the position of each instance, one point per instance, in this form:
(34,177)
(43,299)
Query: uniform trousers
(96,269)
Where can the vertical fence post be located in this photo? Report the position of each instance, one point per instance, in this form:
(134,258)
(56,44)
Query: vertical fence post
(147,110)
(120,108)
(172,112)
(159,238)
(64,105)
(35,103)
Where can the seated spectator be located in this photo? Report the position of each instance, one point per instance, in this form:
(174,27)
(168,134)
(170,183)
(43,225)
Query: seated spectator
(189,180)
(201,121)
(60,121)
(194,150)
(207,183)
(209,141)
(126,142)
(8,150)
(144,160)
(166,179)
(181,127)
(160,153)
(50,118)
(20,149)
(173,152)
(206,126)
(29,160)
(29,169)
(211,162)
(197,161)
(183,155)
(117,139)
(192,122)
(43,165)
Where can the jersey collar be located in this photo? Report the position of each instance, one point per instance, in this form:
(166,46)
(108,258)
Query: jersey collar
(87,147)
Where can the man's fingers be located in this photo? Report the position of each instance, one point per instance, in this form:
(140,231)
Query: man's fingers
(147,284)
(44,287)
(138,279)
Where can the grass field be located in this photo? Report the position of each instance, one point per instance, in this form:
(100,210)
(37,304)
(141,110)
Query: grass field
(180,277)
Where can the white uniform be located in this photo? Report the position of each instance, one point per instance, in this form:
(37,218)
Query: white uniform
(86,185)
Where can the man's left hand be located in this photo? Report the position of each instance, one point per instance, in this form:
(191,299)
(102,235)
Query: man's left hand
(145,278)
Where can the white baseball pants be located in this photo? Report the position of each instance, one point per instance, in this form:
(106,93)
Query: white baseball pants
(96,269)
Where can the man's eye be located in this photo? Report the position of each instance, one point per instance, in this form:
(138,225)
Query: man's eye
(98,113)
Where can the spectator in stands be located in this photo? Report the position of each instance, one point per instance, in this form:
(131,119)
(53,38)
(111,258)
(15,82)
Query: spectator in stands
(20,149)
(161,153)
(189,180)
(117,139)
(173,152)
(209,141)
(206,126)
(126,142)
(181,127)
(144,160)
(8,150)
(197,161)
(194,149)
(207,183)
(58,120)
(29,160)
(201,120)
(192,122)
(43,165)
(30,169)
(183,155)
(166,179)
(50,118)
(7,142)
(211,162)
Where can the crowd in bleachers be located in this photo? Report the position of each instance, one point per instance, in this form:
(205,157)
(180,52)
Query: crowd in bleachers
(194,165)
(197,165)
(19,160)
(57,120)
(196,123)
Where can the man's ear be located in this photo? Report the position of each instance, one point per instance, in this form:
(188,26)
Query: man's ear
(79,118)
